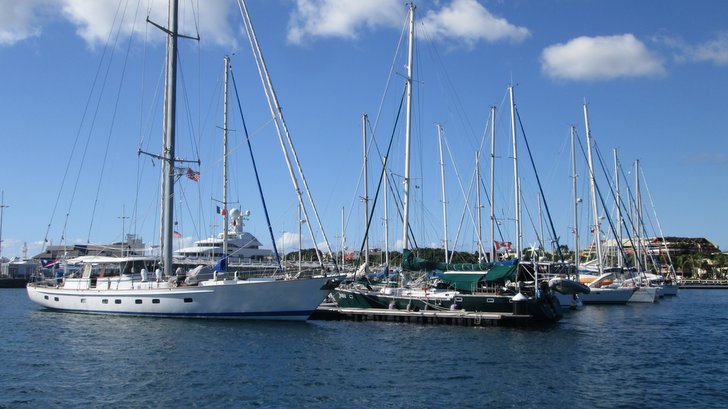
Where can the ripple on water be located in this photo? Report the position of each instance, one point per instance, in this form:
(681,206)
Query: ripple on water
(665,355)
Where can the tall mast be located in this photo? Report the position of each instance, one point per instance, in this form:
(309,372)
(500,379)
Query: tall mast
(592,182)
(366,187)
(170,113)
(540,224)
(282,130)
(575,200)
(444,197)
(225,162)
(408,131)
(2,210)
(492,184)
(478,205)
(620,260)
(123,231)
(638,211)
(343,240)
(386,217)
(517,180)
(300,222)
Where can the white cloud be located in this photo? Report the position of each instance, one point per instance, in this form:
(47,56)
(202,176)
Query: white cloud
(715,50)
(287,242)
(182,242)
(22,19)
(600,58)
(17,248)
(469,21)
(398,244)
(341,18)
(94,19)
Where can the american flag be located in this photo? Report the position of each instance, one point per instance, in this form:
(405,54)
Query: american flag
(193,175)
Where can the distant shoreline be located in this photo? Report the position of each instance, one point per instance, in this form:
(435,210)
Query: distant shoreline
(703,284)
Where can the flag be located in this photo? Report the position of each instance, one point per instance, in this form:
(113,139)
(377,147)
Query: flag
(177,235)
(48,263)
(222,211)
(193,175)
(499,244)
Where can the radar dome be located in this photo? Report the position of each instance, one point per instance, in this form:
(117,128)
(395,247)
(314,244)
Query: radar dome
(235,213)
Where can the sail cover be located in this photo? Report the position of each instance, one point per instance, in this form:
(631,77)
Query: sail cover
(497,271)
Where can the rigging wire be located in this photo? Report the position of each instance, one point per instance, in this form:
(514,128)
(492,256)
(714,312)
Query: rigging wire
(77,137)
(540,188)
(255,169)
(113,120)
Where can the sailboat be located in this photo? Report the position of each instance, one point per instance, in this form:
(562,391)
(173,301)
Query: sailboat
(609,286)
(475,287)
(123,285)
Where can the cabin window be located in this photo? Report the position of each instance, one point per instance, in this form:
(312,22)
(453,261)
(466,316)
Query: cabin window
(137,301)
(188,299)
(83,301)
(104,301)
(117,301)
(55,298)
(45,296)
(155,301)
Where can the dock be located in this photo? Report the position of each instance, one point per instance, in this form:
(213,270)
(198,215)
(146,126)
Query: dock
(704,284)
(331,312)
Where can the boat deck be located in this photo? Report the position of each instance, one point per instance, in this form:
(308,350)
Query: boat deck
(331,312)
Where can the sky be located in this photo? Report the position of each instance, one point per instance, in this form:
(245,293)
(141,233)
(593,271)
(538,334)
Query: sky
(80,86)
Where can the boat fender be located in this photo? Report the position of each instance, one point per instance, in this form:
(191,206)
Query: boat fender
(551,308)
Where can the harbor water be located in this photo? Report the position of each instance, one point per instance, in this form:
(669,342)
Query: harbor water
(670,354)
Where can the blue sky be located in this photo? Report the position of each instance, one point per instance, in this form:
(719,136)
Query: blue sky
(653,74)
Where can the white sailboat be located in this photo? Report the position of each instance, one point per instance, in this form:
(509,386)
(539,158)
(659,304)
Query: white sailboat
(603,290)
(111,285)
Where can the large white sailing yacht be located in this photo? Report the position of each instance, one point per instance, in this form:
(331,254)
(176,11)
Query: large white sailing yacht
(112,285)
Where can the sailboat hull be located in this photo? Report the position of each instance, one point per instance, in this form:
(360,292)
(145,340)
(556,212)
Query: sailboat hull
(618,295)
(417,300)
(292,300)
(644,295)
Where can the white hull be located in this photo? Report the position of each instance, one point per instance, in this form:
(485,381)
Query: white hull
(570,301)
(618,295)
(644,295)
(271,299)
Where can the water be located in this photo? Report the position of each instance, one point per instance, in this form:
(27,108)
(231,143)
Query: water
(671,354)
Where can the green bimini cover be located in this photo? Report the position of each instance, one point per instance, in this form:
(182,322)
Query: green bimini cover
(499,271)
(463,281)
